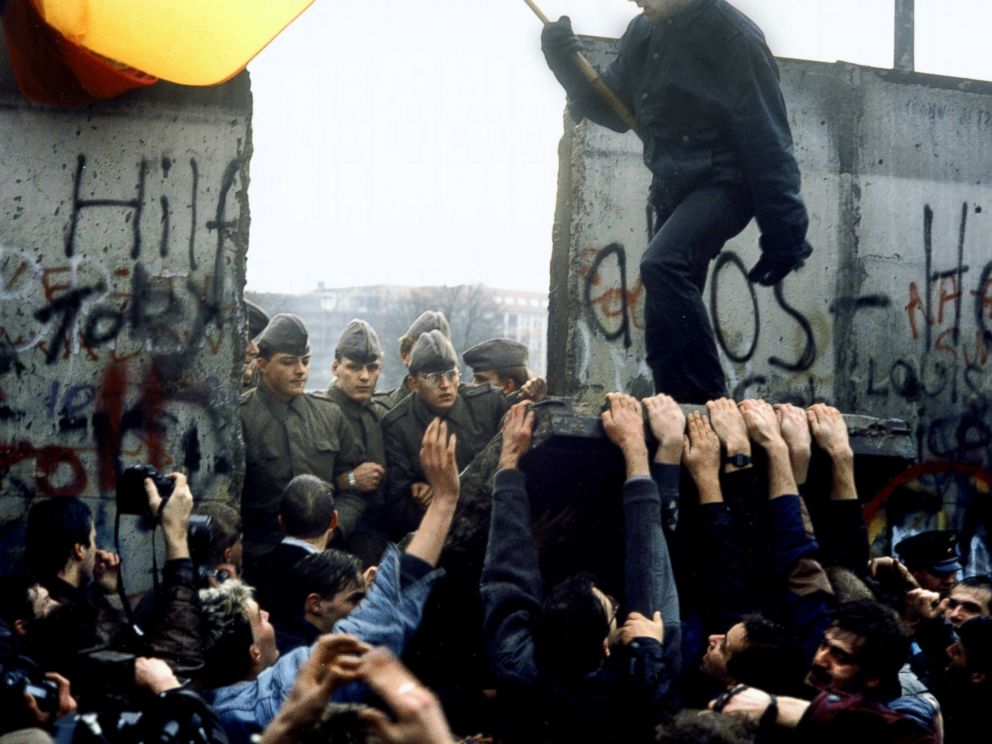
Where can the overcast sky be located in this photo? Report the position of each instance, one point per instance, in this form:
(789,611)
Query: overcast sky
(415,141)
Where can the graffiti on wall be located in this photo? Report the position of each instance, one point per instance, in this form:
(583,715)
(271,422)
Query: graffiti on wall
(932,367)
(115,346)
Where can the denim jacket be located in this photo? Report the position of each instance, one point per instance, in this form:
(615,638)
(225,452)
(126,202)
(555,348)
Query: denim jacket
(388,617)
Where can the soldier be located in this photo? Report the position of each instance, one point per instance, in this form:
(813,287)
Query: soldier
(473,414)
(257,320)
(356,368)
(932,558)
(429,320)
(502,362)
(287,434)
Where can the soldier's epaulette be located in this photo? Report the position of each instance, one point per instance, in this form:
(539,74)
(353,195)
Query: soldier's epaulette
(319,395)
(470,391)
(395,413)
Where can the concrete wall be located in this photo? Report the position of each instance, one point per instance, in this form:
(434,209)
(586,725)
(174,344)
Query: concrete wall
(892,316)
(123,234)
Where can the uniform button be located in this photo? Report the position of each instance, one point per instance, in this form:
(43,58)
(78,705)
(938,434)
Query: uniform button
(685,138)
(656,55)
(644,96)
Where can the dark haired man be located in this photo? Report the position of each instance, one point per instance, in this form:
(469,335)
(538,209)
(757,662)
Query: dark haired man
(563,648)
(287,434)
(61,551)
(704,91)
(307,518)
(356,368)
(472,415)
(323,588)
(22,601)
(856,670)
(970,597)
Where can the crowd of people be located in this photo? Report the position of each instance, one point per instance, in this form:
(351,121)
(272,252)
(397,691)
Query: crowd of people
(748,607)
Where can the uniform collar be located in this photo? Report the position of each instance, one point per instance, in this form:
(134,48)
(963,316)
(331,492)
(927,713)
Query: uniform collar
(337,395)
(276,407)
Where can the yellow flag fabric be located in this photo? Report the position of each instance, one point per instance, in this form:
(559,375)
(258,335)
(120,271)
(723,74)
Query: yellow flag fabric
(191,42)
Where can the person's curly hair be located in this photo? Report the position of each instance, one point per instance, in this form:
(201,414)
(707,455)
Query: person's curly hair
(227,633)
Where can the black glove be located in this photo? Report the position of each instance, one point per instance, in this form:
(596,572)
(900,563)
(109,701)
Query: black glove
(558,42)
(773,267)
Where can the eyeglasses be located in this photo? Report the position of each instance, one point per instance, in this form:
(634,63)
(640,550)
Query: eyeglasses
(434,378)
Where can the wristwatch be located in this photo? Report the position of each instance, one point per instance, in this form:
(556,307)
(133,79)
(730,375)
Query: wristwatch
(353,481)
(740,460)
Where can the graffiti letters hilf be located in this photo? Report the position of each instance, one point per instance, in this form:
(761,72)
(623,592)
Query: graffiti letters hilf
(103,339)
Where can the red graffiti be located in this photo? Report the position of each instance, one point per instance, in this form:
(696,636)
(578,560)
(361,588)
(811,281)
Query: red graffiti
(871,508)
(48,462)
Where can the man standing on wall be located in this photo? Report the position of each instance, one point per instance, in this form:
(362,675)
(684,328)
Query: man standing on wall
(704,90)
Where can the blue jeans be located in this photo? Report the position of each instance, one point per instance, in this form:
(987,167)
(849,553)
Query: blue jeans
(681,350)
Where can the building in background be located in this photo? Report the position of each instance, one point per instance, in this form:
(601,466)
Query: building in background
(475,312)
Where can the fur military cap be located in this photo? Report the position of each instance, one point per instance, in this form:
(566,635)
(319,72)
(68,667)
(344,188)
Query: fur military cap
(429,320)
(257,319)
(433,352)
(496,353)
(934,550)
(284,334)
(359,343)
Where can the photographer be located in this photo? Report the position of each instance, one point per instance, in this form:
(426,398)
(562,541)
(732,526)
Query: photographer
(61,552)
(29,698)
(174,630)
(216,558)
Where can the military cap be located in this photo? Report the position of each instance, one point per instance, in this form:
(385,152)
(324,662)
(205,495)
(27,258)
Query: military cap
(934,550)
(496,353)
(433,352)
(359,343)
(257,319)
(285,334)
(429,320)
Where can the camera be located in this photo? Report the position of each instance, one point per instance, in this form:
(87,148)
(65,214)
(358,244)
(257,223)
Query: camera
(131,496)
(19,676)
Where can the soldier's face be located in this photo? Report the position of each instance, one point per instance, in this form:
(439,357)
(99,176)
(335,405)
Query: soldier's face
(493,378)
(285,375)
(356,380)
(438,391)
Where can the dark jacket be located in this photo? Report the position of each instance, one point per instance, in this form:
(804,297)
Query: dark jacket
(704,89)
(628,692)
(475,418)
(276,583)
(308,435)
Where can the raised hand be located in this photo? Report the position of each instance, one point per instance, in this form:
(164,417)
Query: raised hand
(437,458)
(795,431)
(667,422)
(518,429)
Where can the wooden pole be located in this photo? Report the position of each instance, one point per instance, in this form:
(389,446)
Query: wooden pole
(590,74)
